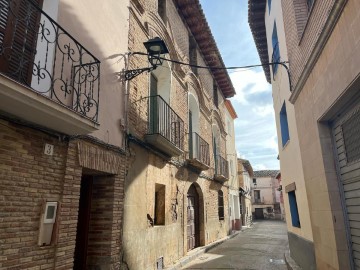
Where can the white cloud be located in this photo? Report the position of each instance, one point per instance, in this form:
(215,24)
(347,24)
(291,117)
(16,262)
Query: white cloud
(263,111)
(259,167)
(247,83)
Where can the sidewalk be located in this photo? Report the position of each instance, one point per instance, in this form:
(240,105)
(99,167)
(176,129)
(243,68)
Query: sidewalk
(260,248)
(193,254)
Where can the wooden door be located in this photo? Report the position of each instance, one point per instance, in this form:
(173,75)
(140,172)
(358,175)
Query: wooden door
(193,234)
(259,213)
(19,25)
(83,222)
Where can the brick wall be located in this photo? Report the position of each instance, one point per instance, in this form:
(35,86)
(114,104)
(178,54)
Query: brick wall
(302,31)
(29,178)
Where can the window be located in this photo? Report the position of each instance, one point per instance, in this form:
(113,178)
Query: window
(221,205)
(162,9)
(269,5)
(159,217)
(276,50)
(294,209)
(193,54)
(285,137)
(254,181)
(302,9)
(215,95)
(310,3)
(257,196)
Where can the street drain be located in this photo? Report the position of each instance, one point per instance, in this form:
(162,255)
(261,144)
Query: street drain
(277,261)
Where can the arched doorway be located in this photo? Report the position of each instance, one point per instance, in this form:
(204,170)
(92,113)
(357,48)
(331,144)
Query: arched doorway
(195,215)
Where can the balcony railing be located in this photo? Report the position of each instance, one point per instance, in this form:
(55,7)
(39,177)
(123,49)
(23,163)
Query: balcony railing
(221,168)
(258,200)
(198,152)
(35,51)
(164,121)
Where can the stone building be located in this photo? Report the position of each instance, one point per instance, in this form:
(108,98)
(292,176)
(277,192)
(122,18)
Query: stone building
(265,195)
(322,41)
(62,156)
(266,23)
(176,191)
(234,203)
(245,176)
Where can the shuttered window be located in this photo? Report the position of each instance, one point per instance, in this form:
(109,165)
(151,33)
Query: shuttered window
(285,136)
(295,219)
(221,205)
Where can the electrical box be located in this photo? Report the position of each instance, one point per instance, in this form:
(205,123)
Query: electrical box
(47,223)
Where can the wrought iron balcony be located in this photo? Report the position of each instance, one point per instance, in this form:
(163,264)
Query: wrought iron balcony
(221,169)
(165,127)
(199,157)
(258,201)
(39,54)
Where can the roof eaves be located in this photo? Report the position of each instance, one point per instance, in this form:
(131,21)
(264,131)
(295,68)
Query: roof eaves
(191,9)
(256,18)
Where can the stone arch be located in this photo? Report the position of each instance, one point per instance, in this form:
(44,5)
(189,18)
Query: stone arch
(216,119)
(195,112)
(194,197)
(195,84)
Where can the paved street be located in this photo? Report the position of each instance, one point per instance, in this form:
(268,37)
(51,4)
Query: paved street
(256,248)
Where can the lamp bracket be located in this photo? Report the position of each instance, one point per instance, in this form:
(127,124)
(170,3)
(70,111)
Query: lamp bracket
(130,74)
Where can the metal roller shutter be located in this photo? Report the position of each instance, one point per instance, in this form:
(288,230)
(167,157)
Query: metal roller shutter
(346,132)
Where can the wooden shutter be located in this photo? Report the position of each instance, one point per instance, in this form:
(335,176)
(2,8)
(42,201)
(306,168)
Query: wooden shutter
(19,25)
(346,133)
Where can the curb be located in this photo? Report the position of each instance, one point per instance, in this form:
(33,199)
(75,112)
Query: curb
(290,263)
(201,250)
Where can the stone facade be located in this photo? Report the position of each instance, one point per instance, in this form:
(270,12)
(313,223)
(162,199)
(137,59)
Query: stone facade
(148,244)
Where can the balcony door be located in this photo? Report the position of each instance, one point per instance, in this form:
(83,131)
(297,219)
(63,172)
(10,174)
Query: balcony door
(19,25)
(191,149)
(193,228)
(153,104)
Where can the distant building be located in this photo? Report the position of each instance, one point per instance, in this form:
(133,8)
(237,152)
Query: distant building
(265,195)
(280,189)
(234,203)
(245,175)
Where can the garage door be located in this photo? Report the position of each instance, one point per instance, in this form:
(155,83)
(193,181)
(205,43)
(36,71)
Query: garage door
(346,132)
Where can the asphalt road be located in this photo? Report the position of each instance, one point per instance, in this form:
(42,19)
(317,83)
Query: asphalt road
(260,247)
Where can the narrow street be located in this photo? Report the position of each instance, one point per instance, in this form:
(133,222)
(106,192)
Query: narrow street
(260,247)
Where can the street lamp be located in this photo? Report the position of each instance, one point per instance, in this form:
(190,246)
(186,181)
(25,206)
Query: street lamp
(155,47)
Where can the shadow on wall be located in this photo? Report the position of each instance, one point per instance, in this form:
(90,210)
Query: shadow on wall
(112,90)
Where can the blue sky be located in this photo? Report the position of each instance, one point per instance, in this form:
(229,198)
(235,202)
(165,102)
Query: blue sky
(255,129)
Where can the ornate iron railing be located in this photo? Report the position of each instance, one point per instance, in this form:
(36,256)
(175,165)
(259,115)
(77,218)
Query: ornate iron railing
(199,149)
(37,52)
(221,166)
(163,120)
